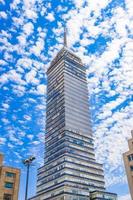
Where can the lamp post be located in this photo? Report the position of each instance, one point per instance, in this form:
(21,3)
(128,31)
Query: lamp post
(27,162)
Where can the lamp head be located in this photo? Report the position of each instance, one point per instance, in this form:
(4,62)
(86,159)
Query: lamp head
(28,160)
(31,158)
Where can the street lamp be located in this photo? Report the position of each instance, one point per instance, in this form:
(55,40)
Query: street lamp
(27,162)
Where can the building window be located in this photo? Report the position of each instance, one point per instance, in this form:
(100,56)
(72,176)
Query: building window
(131,167)
(9,174)
(7,197)
(130,157)
(8,185)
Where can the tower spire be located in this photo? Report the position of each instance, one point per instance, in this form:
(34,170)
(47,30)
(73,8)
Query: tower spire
(65,37)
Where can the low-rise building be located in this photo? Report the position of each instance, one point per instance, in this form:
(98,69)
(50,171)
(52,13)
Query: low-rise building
(9,181)
(128,161)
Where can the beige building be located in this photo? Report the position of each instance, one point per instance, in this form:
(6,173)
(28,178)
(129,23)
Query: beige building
(9,181)
(128,161)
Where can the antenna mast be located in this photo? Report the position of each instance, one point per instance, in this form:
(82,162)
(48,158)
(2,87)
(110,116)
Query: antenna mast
(65,37)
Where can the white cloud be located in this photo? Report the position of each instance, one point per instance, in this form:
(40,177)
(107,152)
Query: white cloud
(120,24)
(27,117)
(3,14)
(29,3)
(2,1)
(18,21)
(41,107)
(30,14)
(41,89)
(50,17)
(19,90)
(78,3)
(15,4)
(38,47)
(12,76)
(41,137)
(26,63)
(5,34)
(5,121)
(2,62)
(129,7)
(35,142)
(84,42)
(28,28)
(125,197)
(31,77)
(22,39)
(2,140)
(8,56)
(30,136)
(5,105)
(43,11)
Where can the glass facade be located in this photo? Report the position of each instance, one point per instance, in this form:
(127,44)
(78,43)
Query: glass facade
(70,171)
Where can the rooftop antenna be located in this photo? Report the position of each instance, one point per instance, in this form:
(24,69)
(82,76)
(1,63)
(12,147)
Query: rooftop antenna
(65,37)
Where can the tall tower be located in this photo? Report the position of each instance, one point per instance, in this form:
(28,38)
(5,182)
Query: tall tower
(128,161)
(70,171)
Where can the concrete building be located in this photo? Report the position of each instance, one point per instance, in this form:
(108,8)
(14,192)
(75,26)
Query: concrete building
(9,182)
(71,171)
(128,161)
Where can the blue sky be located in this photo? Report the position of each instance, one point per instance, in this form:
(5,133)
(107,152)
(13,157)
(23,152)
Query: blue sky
(101,33)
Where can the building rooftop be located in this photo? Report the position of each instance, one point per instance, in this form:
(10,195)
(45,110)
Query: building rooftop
(68,54)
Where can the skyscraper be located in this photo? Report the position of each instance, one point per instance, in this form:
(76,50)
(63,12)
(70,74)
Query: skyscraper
(70,171)
(128,161)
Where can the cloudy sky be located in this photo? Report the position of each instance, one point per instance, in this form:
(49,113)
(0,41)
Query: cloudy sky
(101,33)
